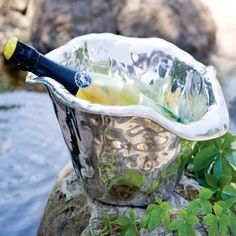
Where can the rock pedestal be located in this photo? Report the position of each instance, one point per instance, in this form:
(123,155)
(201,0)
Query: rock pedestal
(69,210)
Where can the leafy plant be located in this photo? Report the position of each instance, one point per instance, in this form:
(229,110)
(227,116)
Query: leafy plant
(127,224)
(107,228)
(156,214)
(221,220)
(184,224)
(186,155)
(213,163)
(218,216)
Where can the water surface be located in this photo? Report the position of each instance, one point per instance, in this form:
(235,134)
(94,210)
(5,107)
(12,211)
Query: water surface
(32,151)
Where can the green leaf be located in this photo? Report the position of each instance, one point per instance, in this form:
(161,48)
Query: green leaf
(227,168)
(131,230)
(231,158)
(158,200)
(174,225)
(182,230)
(213,228)
(143,222)
(225,218)
(204,158)
(226,204)
(166,206)
(223,227)
(229,190)
(205,194)
(217,167)
(209,219)
(183,213)
(122,220)
(203,145)
(229,139)
(192,219)
(190,230)
(107,225)
(154,185)
(91,232)
(132,215)
(152,207)
(232,218)
(200,177)
(154,219)
(218,143)
(224,180)
(217,209)
(206,205)
(233,176)
(166,221)
(211,180)
(193,207)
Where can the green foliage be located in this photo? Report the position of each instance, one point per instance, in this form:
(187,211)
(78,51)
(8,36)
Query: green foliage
(214,166)
(184,224)
(154,184)
(221,220)
(216,156)
(204,196)
(186,155)
(127,224)
(91,232)
(212,162)
(219,217)
(107,227)
(156,214)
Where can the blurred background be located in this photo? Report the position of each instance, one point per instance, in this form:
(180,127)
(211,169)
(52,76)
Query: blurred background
(32,150)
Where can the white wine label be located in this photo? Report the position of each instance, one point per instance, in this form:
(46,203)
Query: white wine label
(82,80)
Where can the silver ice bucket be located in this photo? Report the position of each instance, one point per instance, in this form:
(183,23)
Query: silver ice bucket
(127,155)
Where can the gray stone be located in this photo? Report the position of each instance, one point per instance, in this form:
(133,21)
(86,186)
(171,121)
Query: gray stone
(63,20)
(15,19)
(186,23)
(69,211)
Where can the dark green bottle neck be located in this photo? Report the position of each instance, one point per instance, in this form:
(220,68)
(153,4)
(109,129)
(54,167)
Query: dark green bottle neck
(29,59)
(60,73)
(25,57)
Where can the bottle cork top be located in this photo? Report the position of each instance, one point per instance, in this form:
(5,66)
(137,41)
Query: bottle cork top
(10,47)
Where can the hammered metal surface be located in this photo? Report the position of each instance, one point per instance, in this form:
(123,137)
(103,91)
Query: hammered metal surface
(121,160)
(127,154)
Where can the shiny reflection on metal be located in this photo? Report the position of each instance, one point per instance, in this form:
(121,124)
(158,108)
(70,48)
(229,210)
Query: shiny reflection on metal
(174,80)
(127,155)
(121,160)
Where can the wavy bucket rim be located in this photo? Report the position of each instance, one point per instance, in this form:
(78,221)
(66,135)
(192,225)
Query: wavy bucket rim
(212,125)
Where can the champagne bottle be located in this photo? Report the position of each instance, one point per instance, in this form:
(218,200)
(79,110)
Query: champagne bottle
(90,86)
(94,87)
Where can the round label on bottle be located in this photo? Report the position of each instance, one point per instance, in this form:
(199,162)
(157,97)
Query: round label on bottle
(83,80)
